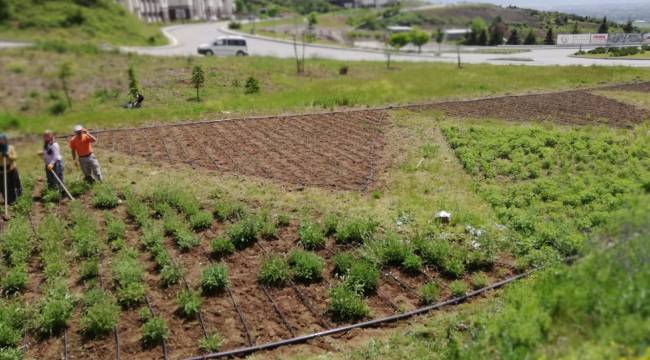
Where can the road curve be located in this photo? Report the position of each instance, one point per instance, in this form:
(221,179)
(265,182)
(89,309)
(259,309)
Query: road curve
(185,39)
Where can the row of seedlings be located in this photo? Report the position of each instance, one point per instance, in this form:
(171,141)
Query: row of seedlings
(100,312)
(154,328)
(16,248)
(181,217)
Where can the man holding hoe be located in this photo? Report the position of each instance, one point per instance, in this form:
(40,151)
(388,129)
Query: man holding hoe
(81,145)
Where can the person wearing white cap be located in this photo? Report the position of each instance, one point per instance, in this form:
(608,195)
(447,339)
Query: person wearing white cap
(81,145)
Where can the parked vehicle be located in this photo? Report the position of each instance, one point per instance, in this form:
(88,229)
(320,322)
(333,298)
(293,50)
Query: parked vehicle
(225,46)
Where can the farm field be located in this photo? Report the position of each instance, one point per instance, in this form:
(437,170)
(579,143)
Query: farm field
(310,204)
(220,258)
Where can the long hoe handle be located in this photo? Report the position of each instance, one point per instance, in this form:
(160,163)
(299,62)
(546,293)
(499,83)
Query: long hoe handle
(61,183)
(4,174)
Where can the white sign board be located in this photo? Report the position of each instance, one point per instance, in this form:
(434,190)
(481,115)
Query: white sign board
(599,39)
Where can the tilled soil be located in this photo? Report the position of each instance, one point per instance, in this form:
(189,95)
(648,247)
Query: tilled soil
(569,107)
(336,150)
(638,87)
(343,150)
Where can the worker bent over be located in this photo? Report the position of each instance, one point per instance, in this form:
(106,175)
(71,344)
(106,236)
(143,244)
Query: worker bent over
(81,145)
(14,188)
(53,160)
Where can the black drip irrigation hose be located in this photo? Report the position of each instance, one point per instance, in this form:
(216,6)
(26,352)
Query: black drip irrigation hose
(278,311)
(65,344)
(241,319)
(365,324)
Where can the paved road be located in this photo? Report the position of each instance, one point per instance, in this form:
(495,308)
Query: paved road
(184,39)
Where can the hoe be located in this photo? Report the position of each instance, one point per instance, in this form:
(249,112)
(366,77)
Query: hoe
(61,183)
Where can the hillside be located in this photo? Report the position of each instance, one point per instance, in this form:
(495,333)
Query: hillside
(97,21)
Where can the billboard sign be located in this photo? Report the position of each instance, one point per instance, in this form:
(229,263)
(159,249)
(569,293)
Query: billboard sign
(646,38)
(617,39)
(634,39)
(599,39)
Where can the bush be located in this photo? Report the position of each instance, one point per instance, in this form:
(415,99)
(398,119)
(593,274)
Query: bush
(454,265)
(201,221)
(58,107)
(89,269)
(274,271)
(479,280)
(343,262)
(330,223)
(115,228)
(78,188)
(179,198)
(105,197)
(14,280)
(54,311)
(306,266)
(234,25)
(189,303)
(311,235)
(432,252)
(13,319)
(389,250)
(212,343)
(229,210)
(51,196)
(363,276)
(346,304)
(100,318)
(266,227)
(222,247)
(252,86)
(170,274)
(243,233)
(186,240)
(130,295)
(154,331)
(355,230)
(429,293)
(412,264)
(214,278)
(458,288)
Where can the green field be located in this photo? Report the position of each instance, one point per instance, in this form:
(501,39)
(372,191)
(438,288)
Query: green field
(98,86)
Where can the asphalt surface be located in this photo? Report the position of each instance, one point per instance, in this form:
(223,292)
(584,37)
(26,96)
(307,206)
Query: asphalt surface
(184,39)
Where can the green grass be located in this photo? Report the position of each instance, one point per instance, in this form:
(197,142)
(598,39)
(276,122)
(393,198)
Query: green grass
(64,20)
(522,171)
(99,86)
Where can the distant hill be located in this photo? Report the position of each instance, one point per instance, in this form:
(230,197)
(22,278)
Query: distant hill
(522,19)
(97,21)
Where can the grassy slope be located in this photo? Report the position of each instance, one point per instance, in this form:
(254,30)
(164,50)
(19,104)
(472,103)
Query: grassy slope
(107,22)
(98,85)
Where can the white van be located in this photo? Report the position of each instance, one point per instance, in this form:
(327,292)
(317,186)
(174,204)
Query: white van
(225,46)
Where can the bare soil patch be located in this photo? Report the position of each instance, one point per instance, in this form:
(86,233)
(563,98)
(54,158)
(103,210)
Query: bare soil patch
(569,107)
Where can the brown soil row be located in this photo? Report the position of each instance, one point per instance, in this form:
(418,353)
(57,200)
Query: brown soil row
(569,107)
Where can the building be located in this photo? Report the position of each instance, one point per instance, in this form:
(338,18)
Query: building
(175,10)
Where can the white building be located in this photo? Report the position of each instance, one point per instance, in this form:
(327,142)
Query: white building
(173,10)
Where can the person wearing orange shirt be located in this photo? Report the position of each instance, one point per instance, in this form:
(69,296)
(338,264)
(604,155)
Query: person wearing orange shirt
(81,145)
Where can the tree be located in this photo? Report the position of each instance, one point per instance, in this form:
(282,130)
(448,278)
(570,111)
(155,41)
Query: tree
(482,38)
(477,27)
(497,31)
(531,38)
(6,10)
(550,37)
(312,20)
(419,38)
(440,37)
(514,38)
(604,26)
(64,74)
(629,27)
(198,79)
(133,84)
(399,40)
